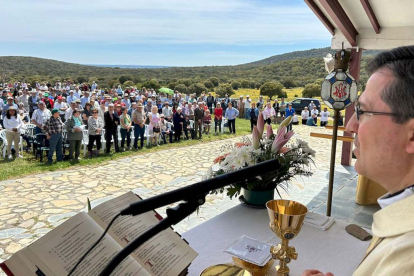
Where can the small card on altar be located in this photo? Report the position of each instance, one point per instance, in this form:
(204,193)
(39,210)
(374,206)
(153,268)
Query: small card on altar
(250,250)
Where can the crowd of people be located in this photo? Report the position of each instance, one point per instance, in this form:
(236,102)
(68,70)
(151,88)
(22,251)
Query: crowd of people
(65,108)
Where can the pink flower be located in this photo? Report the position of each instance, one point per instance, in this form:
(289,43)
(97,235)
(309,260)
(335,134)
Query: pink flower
(256,138)
(269,131)
(260,124)
(281,139)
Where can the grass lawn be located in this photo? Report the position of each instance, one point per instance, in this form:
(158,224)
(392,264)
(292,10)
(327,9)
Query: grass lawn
(28,165)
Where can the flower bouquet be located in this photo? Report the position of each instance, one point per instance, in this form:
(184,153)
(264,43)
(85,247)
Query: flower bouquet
(294,157)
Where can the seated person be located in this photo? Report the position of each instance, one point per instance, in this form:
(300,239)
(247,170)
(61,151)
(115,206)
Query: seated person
(187,128)
(165,129)
(311,121)
(295,119)
(207,121)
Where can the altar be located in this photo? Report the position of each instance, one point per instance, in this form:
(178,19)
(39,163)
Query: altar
(333,250)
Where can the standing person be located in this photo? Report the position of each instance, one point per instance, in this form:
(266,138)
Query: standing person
(102,109)
(268,113)
(178,119)
(154,128)
(276,107)
(53,129)
(198,119)
(187,127)
(254,114)
(10,102)
(305,115)
(139,117)
(231,115)
(260,103)
(32,102)
(40,117)
(62,106)
(126,124)
(86,114)
(289,112)
(95,126)
(324,117)
(111,128)
(207,122)
(75,134)
(13,124)
(24,99)
(311,105)
(218,117)
(315,112)
(210,101)
(247,105)
(282,107)
(240,105)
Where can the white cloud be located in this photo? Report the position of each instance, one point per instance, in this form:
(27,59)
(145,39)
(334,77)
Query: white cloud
(232,22)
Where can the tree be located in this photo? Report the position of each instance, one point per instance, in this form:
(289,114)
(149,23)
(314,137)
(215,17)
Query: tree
(215,81)
(128,84)
(81,79)
(181,88)
(272,89)
(245,84)
(224,89)
(186,82)
(312,90)
(236,84)
(289,82)
(123,79)
(151,84)
(197,88)
(172,85)
(257,85)
(208,84)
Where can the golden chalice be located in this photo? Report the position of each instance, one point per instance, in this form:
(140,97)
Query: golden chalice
(286,220)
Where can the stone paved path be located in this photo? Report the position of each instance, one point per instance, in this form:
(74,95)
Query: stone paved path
(34,205)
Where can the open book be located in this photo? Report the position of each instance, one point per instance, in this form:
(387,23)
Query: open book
(56,253)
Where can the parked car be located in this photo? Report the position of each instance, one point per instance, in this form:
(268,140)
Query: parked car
(300,103)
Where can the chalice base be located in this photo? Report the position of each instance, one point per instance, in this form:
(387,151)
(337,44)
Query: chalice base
(282,271)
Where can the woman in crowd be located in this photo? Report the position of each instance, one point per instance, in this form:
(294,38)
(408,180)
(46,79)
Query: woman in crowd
(102,109)
(126,124)
(95,127)
(75,134)
(207,121)
(254,114)
(178,119)
(13,124)
(268,113)
(190,111)
(154,125)
(218,117)
(86,114)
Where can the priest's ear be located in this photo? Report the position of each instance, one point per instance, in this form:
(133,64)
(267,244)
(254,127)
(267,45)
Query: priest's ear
(410,133)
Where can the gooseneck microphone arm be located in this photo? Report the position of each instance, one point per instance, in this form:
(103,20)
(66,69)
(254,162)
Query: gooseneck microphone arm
(193,197)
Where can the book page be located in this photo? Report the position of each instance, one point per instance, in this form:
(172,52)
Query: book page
(166,254)
(61,248)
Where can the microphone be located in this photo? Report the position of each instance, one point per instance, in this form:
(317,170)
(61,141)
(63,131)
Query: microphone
(199,189)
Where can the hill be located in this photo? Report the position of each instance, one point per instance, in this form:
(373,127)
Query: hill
(302,67)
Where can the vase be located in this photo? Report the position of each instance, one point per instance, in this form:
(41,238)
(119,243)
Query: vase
(258,198)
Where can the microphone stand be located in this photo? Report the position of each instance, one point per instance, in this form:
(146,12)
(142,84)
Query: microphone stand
(193,197)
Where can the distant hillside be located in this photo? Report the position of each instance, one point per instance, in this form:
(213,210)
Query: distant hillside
(128,66)
(302,67)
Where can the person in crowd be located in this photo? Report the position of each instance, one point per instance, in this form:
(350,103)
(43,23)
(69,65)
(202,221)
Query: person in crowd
(71,98)
(95,126)
(276,107)
(165,128)
(210,101)
(324,117)
(53,129)
(75,134)
(289,112)
(231,115)
(10,102)
(118,109)
(111,128)
(268,113)
(69,111)
(126,129)
(85,99)
(86,114)
(178,120)
(207,122)
(282,107)
(240,105)
(295,119)
(93,103)
(21,108)
(167,111)
(126,101)
(32,102)
(198,119)
(48,101)
(187,128)
(218,117)
(314,111)
(139,117)
(254,114)
(305,115)
(154,128)
(62,106)
(102,109)
(311,105)
(24,99)
(13,125)
(131,109)
(40,117)
(23,117)
(78,105)
(247,105)
(311,121)
(340,119)
(260,104)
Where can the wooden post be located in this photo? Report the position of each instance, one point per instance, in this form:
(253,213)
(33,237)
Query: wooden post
(332,165)
(354,70)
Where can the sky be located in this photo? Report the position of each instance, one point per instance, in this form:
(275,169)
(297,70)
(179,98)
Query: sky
(158,32)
